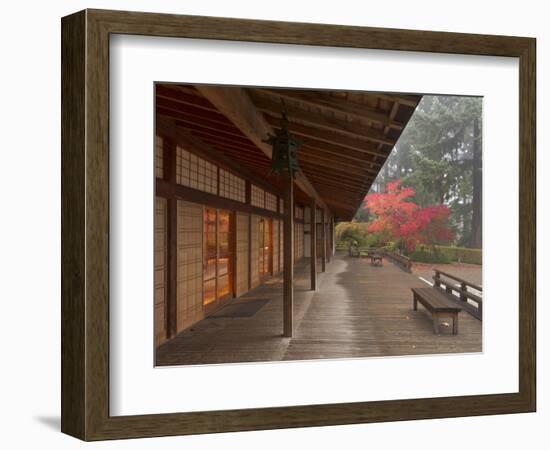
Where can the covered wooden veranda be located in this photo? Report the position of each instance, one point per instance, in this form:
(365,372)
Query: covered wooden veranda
(359,310)
(213,168)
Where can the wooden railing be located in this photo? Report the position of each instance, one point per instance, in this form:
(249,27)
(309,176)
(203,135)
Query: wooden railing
(462,288)
(404,262)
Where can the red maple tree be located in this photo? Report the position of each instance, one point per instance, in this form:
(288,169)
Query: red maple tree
(399,218)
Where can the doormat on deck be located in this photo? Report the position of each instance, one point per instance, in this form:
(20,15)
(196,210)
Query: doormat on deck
(240,309)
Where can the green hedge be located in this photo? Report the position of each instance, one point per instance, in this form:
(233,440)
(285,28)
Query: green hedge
(442,255)
(426,256)
(446,254)
(462,254)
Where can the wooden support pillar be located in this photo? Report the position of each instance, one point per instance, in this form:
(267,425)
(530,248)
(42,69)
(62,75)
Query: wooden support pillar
(248,195)
(313,243)
(169,165)
(288,275)
(329,254)
(332,234)
(324,242)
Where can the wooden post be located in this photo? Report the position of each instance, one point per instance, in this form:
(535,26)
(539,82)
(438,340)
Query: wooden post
(313,243)
(248,194)
(332,236)
(169,163)
(463,292)
(437,279)
(288,276)
(324,242)
(327,237)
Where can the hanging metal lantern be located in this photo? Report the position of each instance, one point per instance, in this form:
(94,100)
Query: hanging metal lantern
(285,150)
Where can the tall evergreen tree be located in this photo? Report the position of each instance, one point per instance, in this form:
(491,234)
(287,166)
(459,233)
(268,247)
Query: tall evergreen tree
(439,154)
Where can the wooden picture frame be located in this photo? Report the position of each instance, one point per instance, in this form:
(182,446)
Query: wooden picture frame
(85,224)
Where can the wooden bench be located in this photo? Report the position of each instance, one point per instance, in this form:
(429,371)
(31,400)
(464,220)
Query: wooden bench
(402,261)
(438,304)
(471,302)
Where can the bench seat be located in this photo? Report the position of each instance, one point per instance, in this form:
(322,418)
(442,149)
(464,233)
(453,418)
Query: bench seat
(438,304)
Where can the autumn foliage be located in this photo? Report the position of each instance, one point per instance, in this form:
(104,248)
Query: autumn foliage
(400,219)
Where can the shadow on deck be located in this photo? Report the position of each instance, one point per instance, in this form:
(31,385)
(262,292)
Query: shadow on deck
(358,310)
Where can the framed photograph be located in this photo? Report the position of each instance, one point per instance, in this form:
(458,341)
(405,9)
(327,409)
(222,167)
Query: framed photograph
(273,225)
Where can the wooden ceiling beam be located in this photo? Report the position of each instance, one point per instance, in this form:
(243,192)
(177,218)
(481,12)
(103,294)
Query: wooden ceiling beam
(194,123)
(342,154)
(182,136)
(216,134)
(329,174)
(322,177)
(212,116)
(242,143)
(237,154)
(402,99)
(328,103)
(238,149)
(347,169)
(173,93)
(367,156)
(330,137)
(321,121)
(337,166)
(235,104)
(341,201)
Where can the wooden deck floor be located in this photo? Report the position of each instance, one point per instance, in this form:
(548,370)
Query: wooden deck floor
(358,311)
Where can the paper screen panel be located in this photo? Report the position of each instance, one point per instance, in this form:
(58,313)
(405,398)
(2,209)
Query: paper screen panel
(270,201)
(189,263)
(298,241)
(160,270)
(281,247)
(232,186)
(254,249)
(159,157)
(257,196)
(195,172)
(275,247)
(242,254)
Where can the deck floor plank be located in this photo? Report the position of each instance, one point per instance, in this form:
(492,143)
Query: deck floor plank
(358,310)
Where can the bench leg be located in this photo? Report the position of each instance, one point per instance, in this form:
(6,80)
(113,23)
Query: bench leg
(435,318)
(455,323)
(415,303)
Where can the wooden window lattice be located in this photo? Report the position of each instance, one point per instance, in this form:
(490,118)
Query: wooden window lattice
(159,155)
(232,186)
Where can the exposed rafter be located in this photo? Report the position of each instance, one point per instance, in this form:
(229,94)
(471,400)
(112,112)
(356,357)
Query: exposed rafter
(331,137)
(346,136)
(321,121)
(236,105)
(326,102)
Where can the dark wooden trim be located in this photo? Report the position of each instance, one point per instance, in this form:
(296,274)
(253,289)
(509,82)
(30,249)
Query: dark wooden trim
(169,172)
(166,189)
(313,243)
(313,137)
(331,104)
(236,105)
(527,224)
(168,129)
(248,196)
(85,243)
(73,225)
(288,270)
(324,241)
(319,121)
